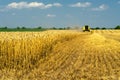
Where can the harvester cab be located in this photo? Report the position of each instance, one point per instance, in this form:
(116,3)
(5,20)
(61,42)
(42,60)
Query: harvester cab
(86,28)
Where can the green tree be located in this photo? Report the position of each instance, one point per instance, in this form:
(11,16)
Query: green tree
(18,27)
(117,27)
(61,28)
(54,28)
(97,28)
(103,28)
(5,27)
(23,27)
(39,27)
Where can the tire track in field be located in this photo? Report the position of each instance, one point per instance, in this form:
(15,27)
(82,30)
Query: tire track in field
(80,58)
(115,36)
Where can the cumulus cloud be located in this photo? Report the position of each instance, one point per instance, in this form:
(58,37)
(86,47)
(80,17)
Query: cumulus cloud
(57,4)
(79,4)
(21,5)
(17,5)
(51,15)
(100,8)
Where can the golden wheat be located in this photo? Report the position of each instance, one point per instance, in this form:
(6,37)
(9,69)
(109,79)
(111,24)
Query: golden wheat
(60,55)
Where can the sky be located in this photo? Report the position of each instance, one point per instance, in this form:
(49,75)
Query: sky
(59,13)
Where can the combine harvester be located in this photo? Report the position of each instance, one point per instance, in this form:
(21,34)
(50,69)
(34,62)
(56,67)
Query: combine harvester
(86,28)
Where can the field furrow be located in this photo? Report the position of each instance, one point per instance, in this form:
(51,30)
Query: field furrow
(60,55)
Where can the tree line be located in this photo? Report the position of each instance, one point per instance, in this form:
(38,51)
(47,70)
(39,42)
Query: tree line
(103,28)
(55,28)
(39,28)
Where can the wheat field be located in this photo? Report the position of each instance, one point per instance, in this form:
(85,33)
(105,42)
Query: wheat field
(60,55)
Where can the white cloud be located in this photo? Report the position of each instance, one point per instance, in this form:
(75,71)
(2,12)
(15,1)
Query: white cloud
(47,6)
(100,8)
(79,4)
(34,4)
(21,5)
(51,15)
(17,5)
(57,4)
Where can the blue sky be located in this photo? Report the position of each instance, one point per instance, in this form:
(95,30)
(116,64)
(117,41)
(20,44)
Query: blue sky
(59,13)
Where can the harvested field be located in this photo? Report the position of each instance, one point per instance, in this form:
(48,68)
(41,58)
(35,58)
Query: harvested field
(60,55)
